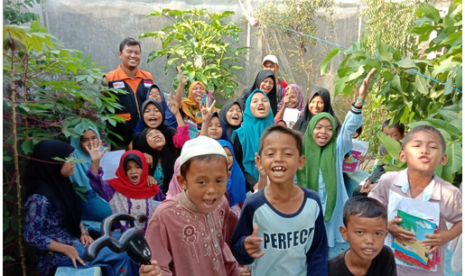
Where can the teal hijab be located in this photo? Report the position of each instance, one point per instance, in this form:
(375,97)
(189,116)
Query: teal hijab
(80,172)
(320,158)
(249,134)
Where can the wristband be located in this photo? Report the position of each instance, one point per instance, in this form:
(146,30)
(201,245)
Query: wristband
(358,99)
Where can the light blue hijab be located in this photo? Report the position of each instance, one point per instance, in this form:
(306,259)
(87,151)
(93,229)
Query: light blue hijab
(249,134)
(236,182)
(79,177)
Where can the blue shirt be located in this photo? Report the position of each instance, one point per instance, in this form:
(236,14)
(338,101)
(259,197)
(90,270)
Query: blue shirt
(294,244)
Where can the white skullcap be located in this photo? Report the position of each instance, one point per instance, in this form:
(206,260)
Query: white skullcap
(201,145)
(271,58)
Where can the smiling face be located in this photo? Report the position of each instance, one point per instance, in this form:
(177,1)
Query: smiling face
(215,130)
(88,137)
(197,92)
(365,236)
(280,157)
(155,139)
(155,94)
(423,153)
(259,105)
(293,99)
(269,65)
(67,169)
(130,56)
(205,183)
(230,157)
(267,85)
(134,172)
(322,132)
(152,116)
(234,115)
(316,105)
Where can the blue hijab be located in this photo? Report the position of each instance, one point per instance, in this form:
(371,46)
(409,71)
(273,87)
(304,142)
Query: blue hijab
(249,134)
(236,183)
(80,172)
(224,134)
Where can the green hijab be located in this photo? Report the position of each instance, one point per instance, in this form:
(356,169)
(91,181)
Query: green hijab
(320,158)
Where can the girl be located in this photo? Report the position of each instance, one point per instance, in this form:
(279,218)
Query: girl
(174,187)
(323,169)
(95,209)
(257,117)
(130,192)
(266,82)
(53,217)
(292,98)
(320,101)
(231,113)
(191,106)
(213,126)
(236,186)
(161,153)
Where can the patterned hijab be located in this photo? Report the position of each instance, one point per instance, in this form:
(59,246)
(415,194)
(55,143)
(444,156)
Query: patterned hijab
(300,96)
(320,158)
(192,108)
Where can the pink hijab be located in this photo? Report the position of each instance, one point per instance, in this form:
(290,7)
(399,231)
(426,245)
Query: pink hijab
(174,188)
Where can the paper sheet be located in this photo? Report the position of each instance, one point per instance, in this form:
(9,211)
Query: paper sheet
(110,163)
(291,115)
(359,148)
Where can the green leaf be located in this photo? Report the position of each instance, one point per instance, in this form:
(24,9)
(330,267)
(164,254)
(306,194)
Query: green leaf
(450,39)
(430,12)
(8,258)
(407,63)
(27,146)
(392,146)
(357,74)
(326,61)
(384,51)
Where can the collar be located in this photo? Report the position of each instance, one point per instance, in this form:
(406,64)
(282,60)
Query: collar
(432,191)
(125,76)
(186,202)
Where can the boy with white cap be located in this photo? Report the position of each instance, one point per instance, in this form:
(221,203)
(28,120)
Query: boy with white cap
(270,62)
(187,232)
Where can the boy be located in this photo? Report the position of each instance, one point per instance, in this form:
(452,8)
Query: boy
(283,219)
(423,150)
(187,232)
(395,132)
(365,227)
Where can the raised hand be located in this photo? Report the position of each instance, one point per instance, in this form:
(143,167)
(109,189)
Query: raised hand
(173,105)
(362,92)
(207,110)
(182,80)
(286,100)
(252,244)
(94,150)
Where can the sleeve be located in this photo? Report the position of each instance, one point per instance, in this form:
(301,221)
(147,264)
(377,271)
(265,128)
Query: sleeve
(158,240)
(250,179)
(377,173)
(37,208)
(244,229)
(230,263)
(317,256)
(100,186)
(181,136)
(454,207)
(391,269)
(352,122)
(380,191)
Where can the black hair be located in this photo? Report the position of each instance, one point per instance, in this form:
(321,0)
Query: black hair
(207,157)
(399,126)
(129,41)
(365,207)
(359,130)
(425,128)
(280,129)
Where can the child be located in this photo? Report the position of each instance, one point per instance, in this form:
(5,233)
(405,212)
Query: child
(257,117)
(281,230)
(423,150)
(95,209)
(129,192)
(395,132)
(292,99)
(266,82)
(365,228)
(323,171)
(174,188)
(187,232)
(160,154)
(236,187)
(213,126)
(53,218)
(191,106)
(231,113)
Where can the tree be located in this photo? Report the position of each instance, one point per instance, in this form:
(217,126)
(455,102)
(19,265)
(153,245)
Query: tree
(47,90)
(413,89)
(197,42)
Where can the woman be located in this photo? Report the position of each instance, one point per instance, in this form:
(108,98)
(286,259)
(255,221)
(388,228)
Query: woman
(320,101)
(191,106)
(53,217)
(231,113)
(266,82)
(95,209)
